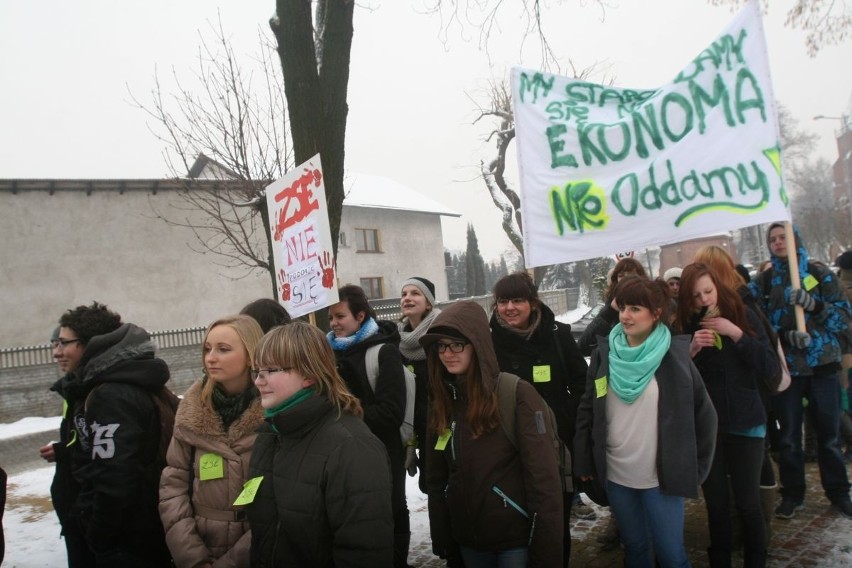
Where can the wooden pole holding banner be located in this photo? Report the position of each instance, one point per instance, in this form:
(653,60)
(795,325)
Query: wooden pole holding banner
(795,280)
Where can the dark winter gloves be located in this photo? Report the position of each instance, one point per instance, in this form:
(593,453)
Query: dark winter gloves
(801,298)
(798,339)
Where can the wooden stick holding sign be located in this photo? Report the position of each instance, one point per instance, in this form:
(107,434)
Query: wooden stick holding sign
(793,264)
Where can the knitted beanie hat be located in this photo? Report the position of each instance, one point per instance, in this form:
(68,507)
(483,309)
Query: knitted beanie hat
(425,286)
(672,273)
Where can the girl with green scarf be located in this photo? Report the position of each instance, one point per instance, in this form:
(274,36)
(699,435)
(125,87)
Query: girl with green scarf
(646,428)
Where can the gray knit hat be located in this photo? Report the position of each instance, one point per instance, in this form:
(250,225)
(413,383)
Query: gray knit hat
(425,286)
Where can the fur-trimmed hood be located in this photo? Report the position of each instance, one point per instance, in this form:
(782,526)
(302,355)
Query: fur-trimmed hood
(195,418)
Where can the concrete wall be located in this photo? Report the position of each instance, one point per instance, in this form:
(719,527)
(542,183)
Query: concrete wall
(70,248)
(411,245)
(64,248)
(25,391)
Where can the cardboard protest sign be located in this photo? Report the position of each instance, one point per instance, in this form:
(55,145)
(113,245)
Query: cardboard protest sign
(606,169)
(301,240)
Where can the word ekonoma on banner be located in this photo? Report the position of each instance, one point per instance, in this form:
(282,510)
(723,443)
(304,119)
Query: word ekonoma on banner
(600,159)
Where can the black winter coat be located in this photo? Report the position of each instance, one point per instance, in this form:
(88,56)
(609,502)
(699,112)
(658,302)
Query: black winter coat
(383,409)
(464,508)
(732,376)
(64,488)
(600,327)
(325,497)
(116,458)
(551,346)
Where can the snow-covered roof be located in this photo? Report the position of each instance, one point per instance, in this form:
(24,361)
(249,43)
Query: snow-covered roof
(379,192)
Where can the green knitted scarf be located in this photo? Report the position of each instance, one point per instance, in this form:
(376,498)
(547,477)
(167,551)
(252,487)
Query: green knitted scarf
(231,407)
(631,368)
(295,398)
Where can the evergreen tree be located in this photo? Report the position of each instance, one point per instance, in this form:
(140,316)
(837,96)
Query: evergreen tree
(504,268)
(461,274)
(475,265)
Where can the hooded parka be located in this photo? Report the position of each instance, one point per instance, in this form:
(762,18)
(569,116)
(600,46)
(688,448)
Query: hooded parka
(465,475)
(116,456)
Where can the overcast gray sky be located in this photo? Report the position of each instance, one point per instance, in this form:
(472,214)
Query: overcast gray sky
(67,67)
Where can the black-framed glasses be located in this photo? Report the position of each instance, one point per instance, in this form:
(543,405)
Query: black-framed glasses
(62,343)
(264,373)
(455,346)
(515,301)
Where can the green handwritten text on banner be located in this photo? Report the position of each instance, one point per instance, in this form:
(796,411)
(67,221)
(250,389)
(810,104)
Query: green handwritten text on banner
(605,169)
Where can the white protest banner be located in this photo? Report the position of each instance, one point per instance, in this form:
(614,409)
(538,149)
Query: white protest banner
(301,240)
(605,169)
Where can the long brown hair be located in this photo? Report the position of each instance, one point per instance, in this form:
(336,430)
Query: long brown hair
(719,261)
(481,411)
(728,301)
(303,348)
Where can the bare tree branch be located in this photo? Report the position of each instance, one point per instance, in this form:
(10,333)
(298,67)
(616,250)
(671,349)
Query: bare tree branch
(237,122)
(826,22)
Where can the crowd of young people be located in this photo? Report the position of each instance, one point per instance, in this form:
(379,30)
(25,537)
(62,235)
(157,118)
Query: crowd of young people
(287,450)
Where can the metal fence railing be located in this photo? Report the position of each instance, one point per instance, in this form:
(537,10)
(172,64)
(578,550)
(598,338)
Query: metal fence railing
(33,355)
(560,301)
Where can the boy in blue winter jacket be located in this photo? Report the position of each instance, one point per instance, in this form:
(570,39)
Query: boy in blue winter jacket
(813,357)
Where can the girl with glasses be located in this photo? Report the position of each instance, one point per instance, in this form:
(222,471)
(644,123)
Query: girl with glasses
(354,330)
(208,458)
(530,343)
(323,487)
(492,502)
(646,428)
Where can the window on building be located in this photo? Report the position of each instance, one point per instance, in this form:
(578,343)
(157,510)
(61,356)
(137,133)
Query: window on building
(372,287)
(341,240)
(367,240)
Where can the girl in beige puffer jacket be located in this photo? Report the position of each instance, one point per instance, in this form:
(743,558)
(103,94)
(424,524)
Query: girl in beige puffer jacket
(208,458)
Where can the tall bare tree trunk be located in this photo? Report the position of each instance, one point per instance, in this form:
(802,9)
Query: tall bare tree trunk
(316,90)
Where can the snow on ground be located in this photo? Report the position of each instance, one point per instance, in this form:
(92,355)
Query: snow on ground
(30,425)
(32,530)
(573,315)
(30,525)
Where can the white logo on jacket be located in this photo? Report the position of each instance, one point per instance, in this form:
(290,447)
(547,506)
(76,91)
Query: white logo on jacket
(103,445)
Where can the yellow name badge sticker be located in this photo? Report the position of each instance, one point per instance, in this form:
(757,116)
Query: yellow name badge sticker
(210,466)
(810,283)
(541,373)
(441,444)
(600,386)
(249,491)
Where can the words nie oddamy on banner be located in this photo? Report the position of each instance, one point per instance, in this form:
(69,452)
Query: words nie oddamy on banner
(606,169)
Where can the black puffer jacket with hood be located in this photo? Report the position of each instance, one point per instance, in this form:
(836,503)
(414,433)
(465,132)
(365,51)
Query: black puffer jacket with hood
(463,478)
(117,458)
